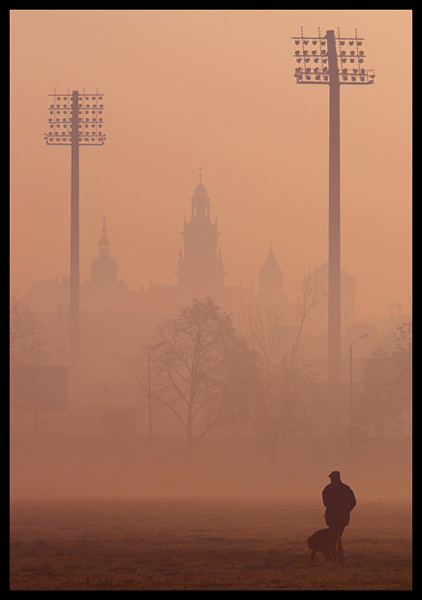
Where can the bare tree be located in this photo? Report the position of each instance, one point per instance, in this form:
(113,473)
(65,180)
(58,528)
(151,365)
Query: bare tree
(26,345)
(402,361)
(311,296)
(386,388)
(193,361)
(264,329)
(286,400)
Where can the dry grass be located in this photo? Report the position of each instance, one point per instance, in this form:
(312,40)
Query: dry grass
(176,544)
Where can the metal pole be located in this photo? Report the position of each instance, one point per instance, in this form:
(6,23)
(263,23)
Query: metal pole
(74,241)
(149,390)
(334,240)
(149,400)
(351,385)
(351,430)
(66,128)
(365,335)
(313,54)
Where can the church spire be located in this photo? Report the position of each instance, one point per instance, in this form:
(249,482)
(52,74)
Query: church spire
(200,201)
(104,243)
(104,229)
(104,267)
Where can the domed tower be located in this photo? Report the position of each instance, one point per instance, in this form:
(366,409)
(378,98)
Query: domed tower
(104,267)
(200,270)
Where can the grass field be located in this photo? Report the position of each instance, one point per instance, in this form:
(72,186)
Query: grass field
(202,544)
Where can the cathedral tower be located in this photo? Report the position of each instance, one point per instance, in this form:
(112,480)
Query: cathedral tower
(200,271)
(104,268)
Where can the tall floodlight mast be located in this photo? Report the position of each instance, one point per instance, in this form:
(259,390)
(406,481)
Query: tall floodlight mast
(75,120)
(335,61)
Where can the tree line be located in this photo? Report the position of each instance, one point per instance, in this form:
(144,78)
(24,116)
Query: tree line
(215,375)
(248,377)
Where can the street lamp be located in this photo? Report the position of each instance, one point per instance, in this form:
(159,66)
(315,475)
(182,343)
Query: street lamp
(149,391)
(365,335)
(332,60)
(75,120)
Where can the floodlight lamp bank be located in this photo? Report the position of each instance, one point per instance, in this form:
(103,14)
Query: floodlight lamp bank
(83,110)
(312,54)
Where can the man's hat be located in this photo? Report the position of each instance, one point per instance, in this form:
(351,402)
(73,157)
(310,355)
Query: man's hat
(334,475)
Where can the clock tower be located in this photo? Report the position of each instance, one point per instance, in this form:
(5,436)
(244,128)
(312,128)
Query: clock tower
(200,271)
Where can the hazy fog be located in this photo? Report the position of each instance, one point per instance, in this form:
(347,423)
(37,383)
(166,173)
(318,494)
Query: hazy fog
(213,90)
(120,468)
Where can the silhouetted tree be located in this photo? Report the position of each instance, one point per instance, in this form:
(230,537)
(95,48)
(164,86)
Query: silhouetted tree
(386,386)
(26,345)
(195,361)
(286,399)
(402,361)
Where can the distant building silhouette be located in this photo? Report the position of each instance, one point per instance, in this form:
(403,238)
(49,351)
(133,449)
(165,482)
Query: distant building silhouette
(104,291)
(271,281)
(200,271)
(104,269)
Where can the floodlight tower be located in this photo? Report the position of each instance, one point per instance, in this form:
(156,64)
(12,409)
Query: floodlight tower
(75,120)
(332,60)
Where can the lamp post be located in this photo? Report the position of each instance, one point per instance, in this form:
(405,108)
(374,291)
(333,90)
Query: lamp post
(365,335)
(75,120)
(149,391)
(332,60)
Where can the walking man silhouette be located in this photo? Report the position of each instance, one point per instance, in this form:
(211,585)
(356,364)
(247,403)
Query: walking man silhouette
(339,500)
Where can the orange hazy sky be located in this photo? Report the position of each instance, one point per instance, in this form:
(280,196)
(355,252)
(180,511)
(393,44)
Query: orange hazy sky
(214,89)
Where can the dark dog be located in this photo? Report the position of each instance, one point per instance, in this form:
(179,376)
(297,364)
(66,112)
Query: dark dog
(325,541)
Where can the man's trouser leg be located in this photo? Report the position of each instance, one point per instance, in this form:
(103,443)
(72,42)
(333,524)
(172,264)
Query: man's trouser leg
(339,530)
